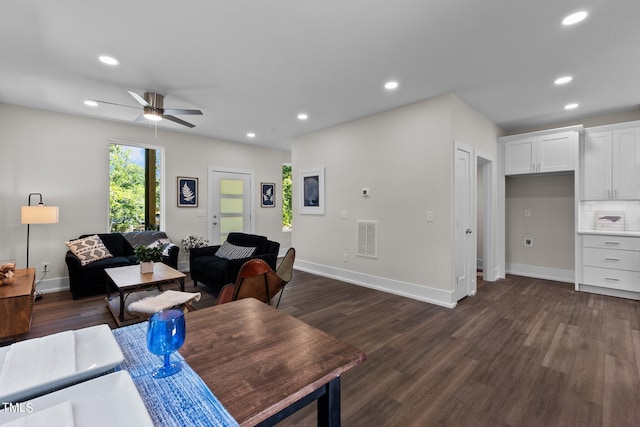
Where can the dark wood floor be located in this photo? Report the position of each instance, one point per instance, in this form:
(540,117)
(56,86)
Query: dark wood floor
(522,352)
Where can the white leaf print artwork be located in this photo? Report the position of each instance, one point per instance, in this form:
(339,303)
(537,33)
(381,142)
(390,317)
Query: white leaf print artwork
(268,195)
(187,194)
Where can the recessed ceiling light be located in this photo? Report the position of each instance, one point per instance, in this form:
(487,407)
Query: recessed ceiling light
(90,103)
(574,18)
(251,135)
(303,116)
(571,106)
(109,60)
(391,85)
(563,80)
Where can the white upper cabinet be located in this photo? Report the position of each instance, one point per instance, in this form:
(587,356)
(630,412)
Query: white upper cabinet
(519,156)
(596,166)
(611,165)
(553,152)
(626,164)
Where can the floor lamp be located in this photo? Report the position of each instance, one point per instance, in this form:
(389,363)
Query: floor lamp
(39,214)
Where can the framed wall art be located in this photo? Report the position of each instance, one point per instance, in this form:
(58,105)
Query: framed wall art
(312,191)
(267,195)
(187,192)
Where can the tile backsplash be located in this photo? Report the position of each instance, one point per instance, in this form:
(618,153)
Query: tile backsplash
(631,209)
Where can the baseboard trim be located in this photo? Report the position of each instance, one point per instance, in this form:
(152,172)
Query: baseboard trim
(537,272)
(53,285)
(396,287)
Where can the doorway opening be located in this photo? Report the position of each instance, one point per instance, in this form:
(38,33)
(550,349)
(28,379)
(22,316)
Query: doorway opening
(485,236)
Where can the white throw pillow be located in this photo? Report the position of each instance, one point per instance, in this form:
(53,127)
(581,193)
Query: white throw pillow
(89,249)
(229,251)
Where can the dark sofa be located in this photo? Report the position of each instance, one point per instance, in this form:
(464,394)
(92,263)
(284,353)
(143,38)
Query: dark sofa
(215,272)
(91,279)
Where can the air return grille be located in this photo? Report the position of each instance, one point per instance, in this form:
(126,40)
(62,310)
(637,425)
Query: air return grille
(368,239)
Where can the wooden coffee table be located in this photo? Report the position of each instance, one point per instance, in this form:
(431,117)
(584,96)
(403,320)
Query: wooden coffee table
(129,279)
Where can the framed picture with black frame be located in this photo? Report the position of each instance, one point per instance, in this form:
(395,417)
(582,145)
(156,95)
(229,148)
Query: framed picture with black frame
(312,191)
(187,192)
(267,195)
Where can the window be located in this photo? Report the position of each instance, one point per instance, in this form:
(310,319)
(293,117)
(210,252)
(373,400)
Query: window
(286,198)
(134,188)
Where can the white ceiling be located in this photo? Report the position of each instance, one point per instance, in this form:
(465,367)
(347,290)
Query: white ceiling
(253,65)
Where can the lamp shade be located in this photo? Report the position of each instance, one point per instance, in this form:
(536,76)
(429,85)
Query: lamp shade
(39,214)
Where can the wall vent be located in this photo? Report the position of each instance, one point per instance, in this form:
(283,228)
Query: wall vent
(368,239)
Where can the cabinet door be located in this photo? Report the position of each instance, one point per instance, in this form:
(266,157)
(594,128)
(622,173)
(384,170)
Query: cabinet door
(519,156)
(596,171)
(556,153)
(626,164)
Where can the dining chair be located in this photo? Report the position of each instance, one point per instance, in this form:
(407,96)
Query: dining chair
(256,279)
(285,270)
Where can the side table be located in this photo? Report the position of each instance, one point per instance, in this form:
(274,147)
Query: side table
(16,304)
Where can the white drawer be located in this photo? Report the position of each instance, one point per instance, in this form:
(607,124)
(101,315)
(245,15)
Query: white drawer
(611,242)
(610,278)
(608,258)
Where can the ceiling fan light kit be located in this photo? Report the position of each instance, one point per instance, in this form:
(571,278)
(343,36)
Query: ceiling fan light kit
(151,114)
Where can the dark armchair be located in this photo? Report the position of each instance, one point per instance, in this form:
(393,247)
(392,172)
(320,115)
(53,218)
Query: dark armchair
(214,271)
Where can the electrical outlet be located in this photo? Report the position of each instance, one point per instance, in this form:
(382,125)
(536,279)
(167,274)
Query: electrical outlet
(46,267)
(346,258)
(527,213)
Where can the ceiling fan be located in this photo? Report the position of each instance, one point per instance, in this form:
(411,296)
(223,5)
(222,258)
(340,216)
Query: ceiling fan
(153,109)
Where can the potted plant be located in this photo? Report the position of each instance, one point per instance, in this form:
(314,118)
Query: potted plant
(147,256)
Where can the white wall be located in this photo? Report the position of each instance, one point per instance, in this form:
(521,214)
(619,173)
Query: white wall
(550,200)
(66,159)
(405,156)
(472,128)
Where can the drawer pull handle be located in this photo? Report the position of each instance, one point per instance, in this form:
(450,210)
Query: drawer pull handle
(612,259)
(611,243)
(611,279)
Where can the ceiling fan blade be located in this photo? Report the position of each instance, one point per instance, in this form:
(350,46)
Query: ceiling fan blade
(181,111)
(177,120)
(113,103)
(138,98)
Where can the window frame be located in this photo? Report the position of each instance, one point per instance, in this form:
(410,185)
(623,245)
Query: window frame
(285,229)
(163,178)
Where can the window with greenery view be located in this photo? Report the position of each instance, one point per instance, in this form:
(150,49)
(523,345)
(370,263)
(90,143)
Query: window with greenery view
(286,197)
(134,188)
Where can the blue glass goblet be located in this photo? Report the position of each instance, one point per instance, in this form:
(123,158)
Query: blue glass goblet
(165,335)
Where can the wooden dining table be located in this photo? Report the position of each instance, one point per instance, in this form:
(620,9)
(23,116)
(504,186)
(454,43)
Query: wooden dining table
(264,365)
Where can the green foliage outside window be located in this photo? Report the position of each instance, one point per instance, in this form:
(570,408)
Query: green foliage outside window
(286,197)
(127,189)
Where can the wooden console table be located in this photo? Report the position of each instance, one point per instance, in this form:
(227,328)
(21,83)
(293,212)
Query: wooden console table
(16,304)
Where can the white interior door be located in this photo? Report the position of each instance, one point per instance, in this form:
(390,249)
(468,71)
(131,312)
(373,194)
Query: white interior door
(464,239)
(229,204)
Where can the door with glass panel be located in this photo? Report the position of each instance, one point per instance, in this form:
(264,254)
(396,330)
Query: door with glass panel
(229,204)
